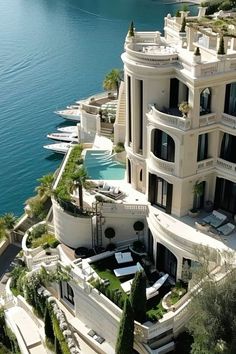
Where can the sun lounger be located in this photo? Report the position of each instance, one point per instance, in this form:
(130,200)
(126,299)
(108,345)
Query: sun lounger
(123,257)
(226,229)
(153,290)
(121,272)
(126,286)
(215,219)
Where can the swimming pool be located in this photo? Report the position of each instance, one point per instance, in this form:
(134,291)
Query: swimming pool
(100,165)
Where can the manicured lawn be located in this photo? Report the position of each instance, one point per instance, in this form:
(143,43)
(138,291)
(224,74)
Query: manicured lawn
(104,268)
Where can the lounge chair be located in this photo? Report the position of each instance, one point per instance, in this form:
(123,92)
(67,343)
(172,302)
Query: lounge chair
(121,272)
(123,257)
(215,219)
(153,290)
(126,286)
(226,229)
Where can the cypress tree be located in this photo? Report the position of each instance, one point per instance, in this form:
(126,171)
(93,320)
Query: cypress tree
(138,297)
(48,327)
(125,339)
(221,49)
(183,25)
(131,29)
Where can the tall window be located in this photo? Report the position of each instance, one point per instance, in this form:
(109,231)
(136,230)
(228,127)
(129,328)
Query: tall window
(205,101)
(230,99)
(163,146)
(160,192)
(228,148)
(141,114)
(129,109)
(202,152)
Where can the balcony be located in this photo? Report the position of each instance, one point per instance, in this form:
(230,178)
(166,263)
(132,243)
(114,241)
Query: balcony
(207,119)
(226,166)
(170,118)
(162,165)
(204,164)
(154,54)
(228,120)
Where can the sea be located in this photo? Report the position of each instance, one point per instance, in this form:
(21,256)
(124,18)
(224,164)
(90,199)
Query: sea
(53,53)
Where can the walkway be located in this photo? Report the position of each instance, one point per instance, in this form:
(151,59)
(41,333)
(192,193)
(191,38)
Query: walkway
(27,329)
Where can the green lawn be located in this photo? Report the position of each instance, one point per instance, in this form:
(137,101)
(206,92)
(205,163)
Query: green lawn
(104,268)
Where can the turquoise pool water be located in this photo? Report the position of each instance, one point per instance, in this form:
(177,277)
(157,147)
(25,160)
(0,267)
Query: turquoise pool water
(100,165)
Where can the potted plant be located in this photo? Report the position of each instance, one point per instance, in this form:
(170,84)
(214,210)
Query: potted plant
(197,55)
(184,108)
(138,226)
(197,193)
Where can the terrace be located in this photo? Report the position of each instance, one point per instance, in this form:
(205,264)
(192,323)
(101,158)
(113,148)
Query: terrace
(111,285)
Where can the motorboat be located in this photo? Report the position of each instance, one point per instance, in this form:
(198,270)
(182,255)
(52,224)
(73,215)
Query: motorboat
(72,129)
(66,137)
(70,114)
(73,106)
(60,148)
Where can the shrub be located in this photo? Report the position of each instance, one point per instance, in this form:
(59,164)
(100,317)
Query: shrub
(38,231)
(119,147)
(225,6)
(37,209)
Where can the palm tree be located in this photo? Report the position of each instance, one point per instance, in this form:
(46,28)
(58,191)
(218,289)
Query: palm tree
(9,220)
(79,177)
(112,80)
(45,188)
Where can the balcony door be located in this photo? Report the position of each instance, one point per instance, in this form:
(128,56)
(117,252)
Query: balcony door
(225,195)
(160,192)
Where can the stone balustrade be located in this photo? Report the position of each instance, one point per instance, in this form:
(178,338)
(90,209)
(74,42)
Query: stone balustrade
(208,163)
(162,165)
(228,120)
(168,119)
(207,119)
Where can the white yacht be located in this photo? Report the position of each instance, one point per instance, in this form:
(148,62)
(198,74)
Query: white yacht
(70,114)
(72,129)
(60,148)
(67,137)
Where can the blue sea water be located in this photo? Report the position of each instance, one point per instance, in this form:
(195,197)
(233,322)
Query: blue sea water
(52,53)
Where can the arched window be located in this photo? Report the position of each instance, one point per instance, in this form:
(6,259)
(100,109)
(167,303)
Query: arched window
(163,146)
(205,101)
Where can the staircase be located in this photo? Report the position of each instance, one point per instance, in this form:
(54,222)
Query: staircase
(106,130)
(119,126)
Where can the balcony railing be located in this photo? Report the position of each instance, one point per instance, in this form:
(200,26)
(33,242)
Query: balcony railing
(133,209)
(205,164)
(226,165)
(169,119)
(207,119)
(228,120)
(157,56)
(163,165)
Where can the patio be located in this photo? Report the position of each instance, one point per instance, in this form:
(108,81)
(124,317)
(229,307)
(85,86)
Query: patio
(105,269)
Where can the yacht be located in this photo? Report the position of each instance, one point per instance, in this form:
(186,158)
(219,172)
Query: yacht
(72,129)
(70,114)
(67,137)
(60,148)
